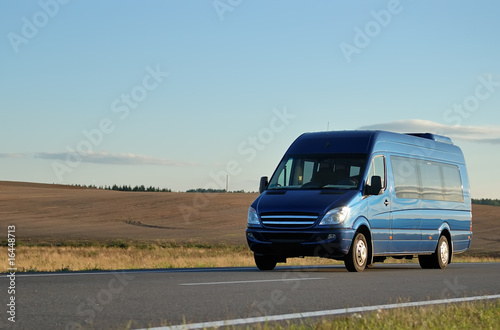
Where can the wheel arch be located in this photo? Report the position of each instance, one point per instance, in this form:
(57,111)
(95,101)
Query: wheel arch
(361,225)
(444,230)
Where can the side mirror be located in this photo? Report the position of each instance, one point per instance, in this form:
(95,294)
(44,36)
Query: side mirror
(263,184)
(376,185)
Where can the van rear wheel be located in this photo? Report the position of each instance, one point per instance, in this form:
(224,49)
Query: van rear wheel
(425,261)
(357,258)
(265,262)
(439,259)
(442,254)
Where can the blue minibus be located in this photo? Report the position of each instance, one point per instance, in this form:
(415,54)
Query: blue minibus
(362,196)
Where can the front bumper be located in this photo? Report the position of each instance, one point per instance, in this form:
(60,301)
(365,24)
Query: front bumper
(327,243)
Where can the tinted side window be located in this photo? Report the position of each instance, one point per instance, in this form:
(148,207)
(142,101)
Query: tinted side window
(432,186)
(406,177)
(426,180)
(452,183)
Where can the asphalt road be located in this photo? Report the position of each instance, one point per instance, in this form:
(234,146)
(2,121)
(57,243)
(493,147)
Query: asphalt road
(141,299)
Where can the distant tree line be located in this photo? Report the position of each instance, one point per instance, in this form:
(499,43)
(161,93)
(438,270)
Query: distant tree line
(486,201)
(203,190)
(153,189)
(125,188)
(137,188)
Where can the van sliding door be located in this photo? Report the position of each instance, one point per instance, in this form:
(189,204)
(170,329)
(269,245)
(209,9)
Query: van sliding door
(406,206)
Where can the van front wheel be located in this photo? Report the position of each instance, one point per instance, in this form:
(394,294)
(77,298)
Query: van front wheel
(357,258)
(265,262)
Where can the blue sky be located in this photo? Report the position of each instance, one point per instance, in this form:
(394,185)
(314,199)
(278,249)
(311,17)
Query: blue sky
(177,94)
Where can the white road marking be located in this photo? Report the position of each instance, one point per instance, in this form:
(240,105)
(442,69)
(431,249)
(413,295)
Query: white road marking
(331,312)
(255,281)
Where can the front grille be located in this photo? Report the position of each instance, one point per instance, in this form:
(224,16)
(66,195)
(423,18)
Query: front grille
(294,221)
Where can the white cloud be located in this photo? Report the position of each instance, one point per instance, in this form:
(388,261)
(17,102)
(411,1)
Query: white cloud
(115,159)
(12,155)
(100,158)
(480,134)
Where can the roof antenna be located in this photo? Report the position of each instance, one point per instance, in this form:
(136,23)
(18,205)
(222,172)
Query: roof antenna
(328,126)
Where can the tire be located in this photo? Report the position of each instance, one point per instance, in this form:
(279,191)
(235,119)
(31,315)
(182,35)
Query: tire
(439,259)
(357,258)
(425,261)
(265,262)
(442,254)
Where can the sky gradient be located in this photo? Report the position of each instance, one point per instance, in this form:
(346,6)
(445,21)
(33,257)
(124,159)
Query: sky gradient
(180,94)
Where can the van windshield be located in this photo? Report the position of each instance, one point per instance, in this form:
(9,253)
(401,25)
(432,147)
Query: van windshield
(319,171)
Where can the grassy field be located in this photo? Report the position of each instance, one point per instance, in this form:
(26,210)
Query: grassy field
(467,315)
(73,256)
(478,315)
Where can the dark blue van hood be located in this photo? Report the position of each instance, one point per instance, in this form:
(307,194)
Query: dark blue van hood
(310,201)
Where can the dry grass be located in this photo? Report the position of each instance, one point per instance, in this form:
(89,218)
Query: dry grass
(121,255)
(148,256)
(477,315)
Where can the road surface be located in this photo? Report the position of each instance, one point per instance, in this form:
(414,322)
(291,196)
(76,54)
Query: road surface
(141,299)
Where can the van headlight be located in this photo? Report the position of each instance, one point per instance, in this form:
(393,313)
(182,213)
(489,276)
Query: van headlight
(253,218)
(335,216)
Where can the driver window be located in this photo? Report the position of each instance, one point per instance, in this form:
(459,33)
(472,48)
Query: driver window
(377,167)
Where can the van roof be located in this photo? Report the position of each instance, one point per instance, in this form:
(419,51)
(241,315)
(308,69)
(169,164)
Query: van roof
(366,141)
(431,136)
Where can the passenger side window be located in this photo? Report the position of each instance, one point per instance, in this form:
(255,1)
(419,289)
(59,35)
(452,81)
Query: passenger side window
(432,187)
(377,167)
(425,179)
(452,183)
(406,177)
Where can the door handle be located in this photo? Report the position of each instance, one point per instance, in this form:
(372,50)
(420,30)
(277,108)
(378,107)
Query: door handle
(386,203)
